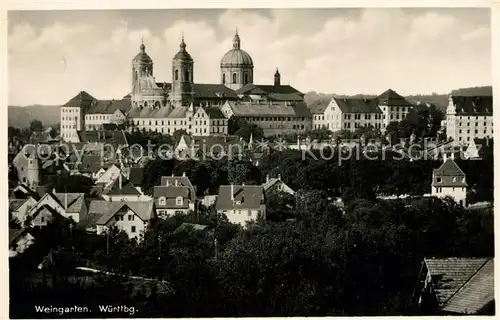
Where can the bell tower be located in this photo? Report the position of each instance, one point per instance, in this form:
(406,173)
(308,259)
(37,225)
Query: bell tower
(182,77)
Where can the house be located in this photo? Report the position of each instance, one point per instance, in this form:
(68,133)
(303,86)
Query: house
(394,107)
(457,286)
(106,112)
(21,207)
(73,115)
(133,217)
(109,175)
(174,195)
(469,117)
(240,203)
(68,205)
(276,184)
(19,241)
(42,216)
(449,181)
(319,114)
(122,189)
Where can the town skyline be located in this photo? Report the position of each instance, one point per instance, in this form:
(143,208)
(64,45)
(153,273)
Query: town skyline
(59,53)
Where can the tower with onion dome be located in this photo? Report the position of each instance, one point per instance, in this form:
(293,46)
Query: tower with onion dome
(236,66)
(142,65)
(182,77)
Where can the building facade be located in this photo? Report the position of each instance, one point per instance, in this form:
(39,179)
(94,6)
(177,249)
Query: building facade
(449,181)
(468,118)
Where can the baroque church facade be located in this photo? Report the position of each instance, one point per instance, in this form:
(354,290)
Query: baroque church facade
(198,108)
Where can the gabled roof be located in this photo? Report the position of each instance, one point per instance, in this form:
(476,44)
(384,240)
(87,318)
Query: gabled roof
(357,105)
(269,89)
(449,168)
(15,204)
(171,193)
(143,209)
(271,182)
(110,106)
(476,293)
(319,106)
(449,275)
(82,100)
(245,197)
(75,201)
(127,188)
(213,91)
(14,234)
(214,113)
(392,99)
(91,164)
(473,106)
(451,175)
(179,181)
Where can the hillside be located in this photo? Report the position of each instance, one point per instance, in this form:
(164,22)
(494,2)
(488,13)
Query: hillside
(440,100)
(22,116)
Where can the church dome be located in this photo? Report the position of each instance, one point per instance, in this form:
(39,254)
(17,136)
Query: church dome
(236,57)
(142,56)
(183,54)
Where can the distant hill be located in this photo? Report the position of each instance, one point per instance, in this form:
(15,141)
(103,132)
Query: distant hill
(440,100)
(21,117)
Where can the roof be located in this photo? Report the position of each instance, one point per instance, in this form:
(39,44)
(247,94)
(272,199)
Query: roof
(127,188)
(75,201)
(113,137)
(186,226)
(81,100)
(263,109)
(268,184)
(143,209)
(91,164)
(392,99)
(213,91)
(357,105)
(267,89)
(245,197)
(451,175)
(476,293)
(180,181)
(319,106)
(473,105)
(214,113)
(14,234)
(15,204)
(110,106)
(236,57)
(171,193)
(452,274)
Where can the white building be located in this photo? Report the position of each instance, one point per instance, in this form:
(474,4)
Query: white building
(449,181)
(174,195)
(468,118)
(240,203)
(106,112)
(73,115)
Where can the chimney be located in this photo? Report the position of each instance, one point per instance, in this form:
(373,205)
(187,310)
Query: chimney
(183,174)
(279,176)
(176,183)
(444,156)
(267,178)
(65,200)
(168,183)
(120,180)
(232,192)
(243,184)
(453,155)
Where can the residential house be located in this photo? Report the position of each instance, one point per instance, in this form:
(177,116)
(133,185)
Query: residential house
(21,207)
(68,205)
(276,185)
(174,195)
(320,114)
(469,117)
(122,189)
(133,217)
(449,181)
(457,286)
(19,241)
(105,112)
(42,216)
(108,176)
(240,203)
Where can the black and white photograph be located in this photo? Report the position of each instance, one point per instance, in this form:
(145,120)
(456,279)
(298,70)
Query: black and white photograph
(250,162)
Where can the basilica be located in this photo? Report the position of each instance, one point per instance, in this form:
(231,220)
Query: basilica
(200,109)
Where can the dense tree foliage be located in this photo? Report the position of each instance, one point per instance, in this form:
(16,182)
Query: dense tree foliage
(36,126)
(242,128)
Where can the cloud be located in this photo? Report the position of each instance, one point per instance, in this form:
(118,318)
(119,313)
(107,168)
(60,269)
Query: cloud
(365,51)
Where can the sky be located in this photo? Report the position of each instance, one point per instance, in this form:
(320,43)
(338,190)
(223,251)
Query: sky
(52,55)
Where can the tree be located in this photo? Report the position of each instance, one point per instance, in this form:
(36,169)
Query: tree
(73,183)
(241,171)
(242,128)
(178,134)
(36,126)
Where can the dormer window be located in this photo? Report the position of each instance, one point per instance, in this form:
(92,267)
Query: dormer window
(178,201)
(162,201)
(438,179)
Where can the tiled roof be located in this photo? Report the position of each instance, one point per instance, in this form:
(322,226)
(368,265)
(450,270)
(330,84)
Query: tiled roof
(357,105)
(319,106)
(286,96)
(392,99)
(263,109)
(110,106)
(82,100)
(144,209)
(451,175)
(245,197)
(187,226)
(269,89)
(213,91)
(451,274)
(473,106)
(170,194)
(214,113)
(179,181)
(127,188)
(75,201)
(476,293)
(268,184)
(114,138)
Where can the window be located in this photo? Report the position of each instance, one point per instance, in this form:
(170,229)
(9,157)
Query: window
(131,217)
(162,200)
(178,201)
(246,78)
(132,229)
(223,78)
(234,77)
(176,75)
(438,179)
(249,213)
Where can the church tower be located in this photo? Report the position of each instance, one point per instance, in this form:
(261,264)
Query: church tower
(277,78)
(236,66)
(142,65)
(182,77)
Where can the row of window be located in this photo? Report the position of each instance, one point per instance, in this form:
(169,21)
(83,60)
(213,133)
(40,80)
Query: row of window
(235,78)
(468,117)
(439,190)
(178,201)
(475,131)
(69,126)
(275,119)
(215,122)
(357,116)
(477,124)
(188,76)
(70,110)
(397,109)
(69,118)
(97,117)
